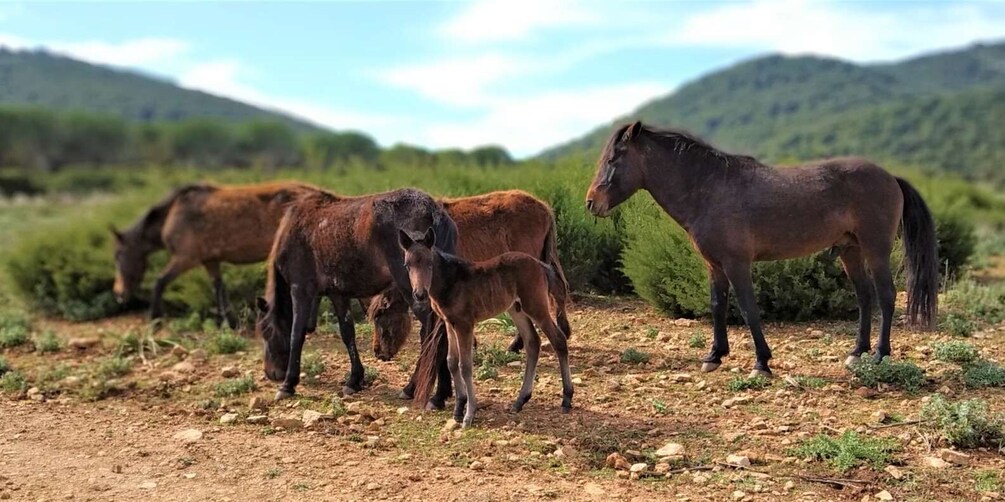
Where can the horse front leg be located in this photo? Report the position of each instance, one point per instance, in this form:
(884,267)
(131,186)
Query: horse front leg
(347,329)
(719,286)
(302,306)
(220,294)
(739,277)
(174,268)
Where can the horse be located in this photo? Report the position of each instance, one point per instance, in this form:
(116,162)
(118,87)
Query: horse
(463,293)
(737,211)
(342,248)
(201,224)
(487,225)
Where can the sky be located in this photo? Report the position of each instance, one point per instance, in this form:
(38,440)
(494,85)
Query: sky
(524,75)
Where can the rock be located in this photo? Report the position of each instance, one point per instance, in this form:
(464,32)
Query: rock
(288,423)
(311,418)
(789,486)
(739,495)
(34,391)
(952,456)
(618,462)
(894,472)
(670,450)
(680,377)
(565,451)
(879,417)
(228,418)
(183,368)
(179,351)
(866,392)
(188,435)
(729,403)
(738,460)
(639,467)
(884,495)
(70,382)
(229,372)
(402,410)
(148,485)
(258,403)
(936,463)
(684,323)
(257,419)
(816,333)
(198,355)
(477,465)
(170,376)
(83,342)
(662,468)
(577,381)
(450,426)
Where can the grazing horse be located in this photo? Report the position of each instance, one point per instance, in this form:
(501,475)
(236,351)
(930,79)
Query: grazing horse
(463,293)
(202,225)
(342,248)
(737,211)
(487,225)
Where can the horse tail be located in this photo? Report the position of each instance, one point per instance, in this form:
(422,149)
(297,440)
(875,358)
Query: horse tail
(559,291)
(549,255)
(921,253)
(433,348)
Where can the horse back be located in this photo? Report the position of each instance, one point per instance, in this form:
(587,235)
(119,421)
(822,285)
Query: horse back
(488,224)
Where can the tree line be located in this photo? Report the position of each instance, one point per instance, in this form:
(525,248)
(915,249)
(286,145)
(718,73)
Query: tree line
(40,139)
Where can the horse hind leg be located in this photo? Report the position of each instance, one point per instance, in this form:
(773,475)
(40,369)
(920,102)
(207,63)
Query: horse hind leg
(220,294)
(854,267)
(887,294)
(719,286)
(528,335)
(347,330)
(561,345)
(743,285)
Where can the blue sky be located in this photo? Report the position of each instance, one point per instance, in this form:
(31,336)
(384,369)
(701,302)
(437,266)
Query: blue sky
(526,75)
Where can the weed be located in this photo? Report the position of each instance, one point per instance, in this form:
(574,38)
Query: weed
(312,364)
(697,340)
(235,387)
(652,333)
(337,407)
(370,375)
(113,367)
(48,342)
(956,352)
(273,473)
(4,366)
(494,355)
(903,374)
(965,424)
(812,382)
(661,407)
(849,450)
(738,384)
(486,373)
(987,481)
(969,299)
(226,342)
(981,373)
(502,322)
(301,486)
(190,324)
(13,336)
(631,355)
(958,326)
(13,381)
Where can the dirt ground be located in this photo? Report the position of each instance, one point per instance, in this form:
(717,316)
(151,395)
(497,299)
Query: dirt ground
(60,444)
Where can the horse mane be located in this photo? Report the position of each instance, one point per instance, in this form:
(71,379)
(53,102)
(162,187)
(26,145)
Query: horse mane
(149,225)
(682,142)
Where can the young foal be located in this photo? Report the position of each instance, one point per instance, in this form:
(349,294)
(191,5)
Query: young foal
(202,225)
(737,211)
(463,293)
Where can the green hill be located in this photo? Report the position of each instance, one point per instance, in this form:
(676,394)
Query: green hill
(42,79)
(942,110)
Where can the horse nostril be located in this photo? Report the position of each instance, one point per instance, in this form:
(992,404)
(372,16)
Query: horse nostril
(589,205)
(420,296)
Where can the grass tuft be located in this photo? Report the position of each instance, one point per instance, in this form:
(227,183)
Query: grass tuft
(738,383)
(631,355)
(235,387)
(965,424)
(902,374)
(226,342)
(48,342)
(849,450)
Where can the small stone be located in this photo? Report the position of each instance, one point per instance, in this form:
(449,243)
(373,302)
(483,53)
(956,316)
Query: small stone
(670,450)
(170,376)
(477,465)
(879,417)
(188,435)
(884,495)
(594,490)
(183,368)
(789,486)
(954,457)
(229,372)
(639,467)
(311,418)
(577,381)
(179,351)
(816,333)
(661,468)
(866,392)
(739,495)
(198,355)
(188,475)
(450,426)
(402,410)
(684,323)
(738,460)
(258,403)
(288,423)
(70,382)
(228,418)
(680,378)
(894,472)
(565,451)
(148,485)
(117,469)
(257,419)
(936,463)
(84,342)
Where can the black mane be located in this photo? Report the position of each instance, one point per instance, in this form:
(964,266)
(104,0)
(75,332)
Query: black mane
(683,142)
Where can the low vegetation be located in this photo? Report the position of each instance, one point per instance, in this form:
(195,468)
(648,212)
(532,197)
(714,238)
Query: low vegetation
(235,387)
(739,384)
(849,450)
(901,374)
(226,341)
(631,355)
(956,352)
(965,424)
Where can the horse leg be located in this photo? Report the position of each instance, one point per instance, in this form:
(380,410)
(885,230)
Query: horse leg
(220,292)
(720,307)
(561,345)
(887,295)
(523,327)
(532,342)
(174,268)
(347,329)
(743,286)
(466,354)
(454,365)
(854,267)
(302,301)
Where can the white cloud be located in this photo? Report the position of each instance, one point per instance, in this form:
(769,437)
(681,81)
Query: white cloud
(834,29)
(461,81)
(509,20)
(136,52)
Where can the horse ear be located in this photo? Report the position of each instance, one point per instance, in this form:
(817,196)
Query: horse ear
(118,235)
(404,240)
(429,238)
(633,130)
(263,306)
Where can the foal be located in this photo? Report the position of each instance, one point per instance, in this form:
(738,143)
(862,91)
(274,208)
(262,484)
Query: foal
(463,293)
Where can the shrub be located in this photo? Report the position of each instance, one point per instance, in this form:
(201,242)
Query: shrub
(13,336)
(965,424)
(48,342)
(969,301)
(697,341)
(13,381)
(956,352)
(981,374)
(954,230)
(632,355)
(987,481)
(235,387)
(226,342)
(958,326)
(738,384)
(4,366)
(666,272)
(193,293)
(849,450)
(114,367)
(903,374)
(494,356)
(312,364)
(811,382)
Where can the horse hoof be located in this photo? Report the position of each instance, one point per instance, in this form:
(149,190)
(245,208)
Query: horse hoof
(515,408)
(467,422)
(434,406)
(759,373)
(852,360)
(709,367)
(405,395)
(282,394)
(348,391)
(566,410)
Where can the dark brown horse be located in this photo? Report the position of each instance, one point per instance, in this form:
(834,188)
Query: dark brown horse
(463,293)
(737,211)
(487,225)
(342,248)
(202,225)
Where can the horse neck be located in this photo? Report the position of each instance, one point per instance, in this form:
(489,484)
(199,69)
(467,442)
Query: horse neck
(446,271)
(146,234)
(681,182)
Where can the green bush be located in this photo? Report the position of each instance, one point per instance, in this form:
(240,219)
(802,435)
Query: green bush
(903,374)
(48,342)
(13,381)
(981,374)
(958,326)
(13,337)
(965,424)
(957,238)
(956,352)
(849,450)
(631,355)
(738,383)
(114,367)
(226,342)
(4,366)
(969,300)
(312,364)
(235,387)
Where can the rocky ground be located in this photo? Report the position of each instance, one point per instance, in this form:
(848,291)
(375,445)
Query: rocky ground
(190,422)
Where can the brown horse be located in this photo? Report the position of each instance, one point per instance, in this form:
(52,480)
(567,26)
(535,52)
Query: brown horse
(342,248)
(463,293)
(202,225)
(487,225)
(737,211)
